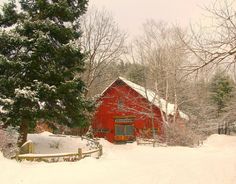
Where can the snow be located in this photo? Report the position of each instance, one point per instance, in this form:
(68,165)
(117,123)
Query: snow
(47,143)
(212,163)
(218,141)
(2,110)
(27,142)
(6,101)
(27,93)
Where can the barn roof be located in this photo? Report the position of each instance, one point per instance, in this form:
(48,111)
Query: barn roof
(152,97)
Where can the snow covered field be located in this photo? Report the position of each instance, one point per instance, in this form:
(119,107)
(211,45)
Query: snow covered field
(212,163)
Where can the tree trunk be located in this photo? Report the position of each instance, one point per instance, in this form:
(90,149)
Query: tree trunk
(23,133)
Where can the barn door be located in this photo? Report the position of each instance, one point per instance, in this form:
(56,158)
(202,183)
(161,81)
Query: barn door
(129,130)
(124,132)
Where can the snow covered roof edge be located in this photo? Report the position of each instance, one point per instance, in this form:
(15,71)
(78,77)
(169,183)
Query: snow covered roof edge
(152,97)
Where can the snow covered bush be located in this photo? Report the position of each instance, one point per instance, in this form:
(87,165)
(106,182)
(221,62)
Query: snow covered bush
(92,144)
(8,142)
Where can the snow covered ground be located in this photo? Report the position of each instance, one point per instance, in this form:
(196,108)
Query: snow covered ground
(212,163)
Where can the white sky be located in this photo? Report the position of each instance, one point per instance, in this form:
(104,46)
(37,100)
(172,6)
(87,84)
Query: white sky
(131,14)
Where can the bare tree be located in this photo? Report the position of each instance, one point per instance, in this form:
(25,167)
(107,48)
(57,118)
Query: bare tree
(213,45)
(103,41)
(160,49)
(163,54)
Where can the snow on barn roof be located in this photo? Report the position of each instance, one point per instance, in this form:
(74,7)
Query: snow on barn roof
(152,97)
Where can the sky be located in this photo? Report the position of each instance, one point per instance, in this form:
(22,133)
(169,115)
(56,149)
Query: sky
(131,14)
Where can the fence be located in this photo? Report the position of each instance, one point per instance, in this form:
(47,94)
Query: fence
(150,142)
(67,157)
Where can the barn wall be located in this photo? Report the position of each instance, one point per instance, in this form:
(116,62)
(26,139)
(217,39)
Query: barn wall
(133,106)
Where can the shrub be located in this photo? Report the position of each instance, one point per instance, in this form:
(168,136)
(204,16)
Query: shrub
(8,142)
(177,135)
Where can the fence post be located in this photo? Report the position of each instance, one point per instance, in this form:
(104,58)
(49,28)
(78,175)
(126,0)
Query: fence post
(17,156)
(80,153)
(31,147)
(100,150)
(154,143)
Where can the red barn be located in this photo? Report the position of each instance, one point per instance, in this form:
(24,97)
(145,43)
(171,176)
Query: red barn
(127,110)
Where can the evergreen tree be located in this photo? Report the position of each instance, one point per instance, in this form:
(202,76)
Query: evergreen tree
(221,88)
(40,63)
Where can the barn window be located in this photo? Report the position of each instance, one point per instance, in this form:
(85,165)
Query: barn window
(119,83)
(120,104)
